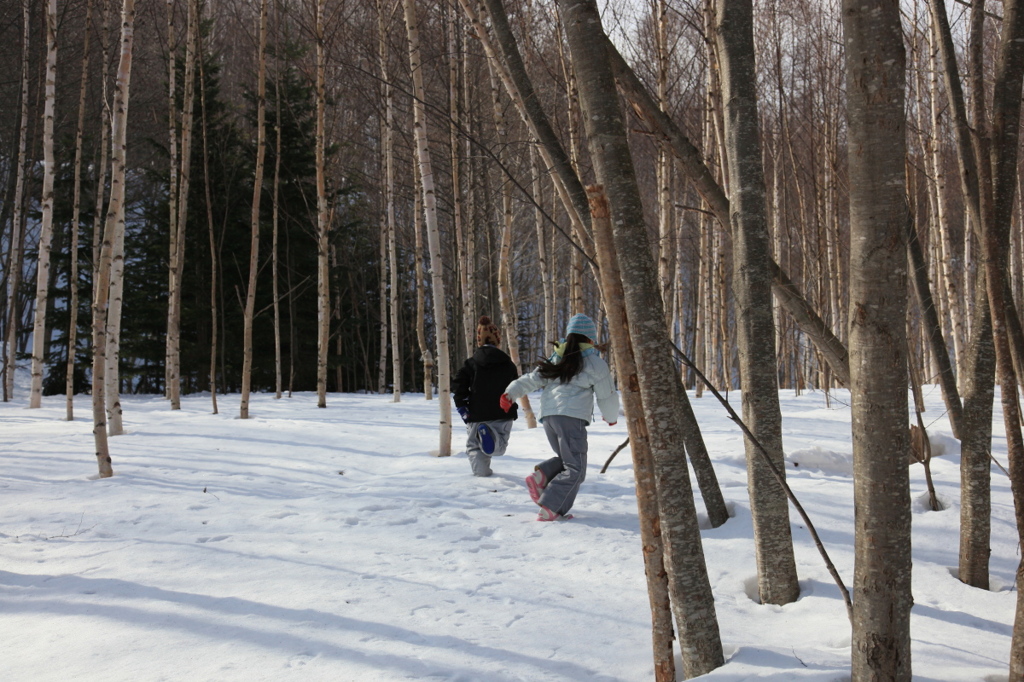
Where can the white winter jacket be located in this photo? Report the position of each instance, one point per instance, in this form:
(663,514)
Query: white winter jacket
(576,397)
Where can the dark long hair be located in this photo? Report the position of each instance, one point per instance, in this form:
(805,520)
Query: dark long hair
(571,364)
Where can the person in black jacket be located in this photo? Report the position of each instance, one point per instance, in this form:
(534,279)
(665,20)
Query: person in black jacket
(478,386)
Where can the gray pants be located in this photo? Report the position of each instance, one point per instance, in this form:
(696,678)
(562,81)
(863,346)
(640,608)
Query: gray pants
(501,429)
(566,471)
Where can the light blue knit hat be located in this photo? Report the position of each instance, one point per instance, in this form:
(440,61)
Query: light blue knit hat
(582,325)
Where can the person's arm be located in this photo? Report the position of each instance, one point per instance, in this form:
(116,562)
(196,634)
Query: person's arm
(460,385)
(525,384)
(607,396)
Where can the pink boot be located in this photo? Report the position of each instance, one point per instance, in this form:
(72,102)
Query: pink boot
(548,515)
(535,483)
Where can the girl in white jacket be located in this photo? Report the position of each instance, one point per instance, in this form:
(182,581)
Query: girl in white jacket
(571,378)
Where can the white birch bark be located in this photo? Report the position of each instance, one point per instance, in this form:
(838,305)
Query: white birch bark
(396,355)
(112,393)
(433,233)
(17,237)
(643,462)
(664,166)
(275,275)
(875,63)
(172,148)
(101,177)
(177,262)
(389,202)
(323,298)
(542,249)
(467,92)
(257,191)
(421,332)
(39,336)
(510,68)
(115,215)
(949,289)
(214,328)
(508,310)
(572,101)
(752,290)
(466,266)
(661,391)
(69,370)
(382,287)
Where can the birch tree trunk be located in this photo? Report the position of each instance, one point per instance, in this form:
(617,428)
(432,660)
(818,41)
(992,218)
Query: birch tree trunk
(572,101)
(69,371)
(112,396)
(989,203)
(177,263)
(389,197)
(395,302)
(466,266)
(214,328)
(17,237)
(172,198)
(115,215)
(257,191)
(39,335)
(508,311)
(517,83)
(643,463)
(978,367)
(666,211)
(471,118)
(752,282)
(323,299)
(421,332)
(875,63)
(101,179)
(949,285)
(659,384)
(933,330)
(790,297)
(382,285)
(566,181)
(433,234)
(275,275)
(542,249)
(1005,140)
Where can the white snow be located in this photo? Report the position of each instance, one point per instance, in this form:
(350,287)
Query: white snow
(326,544)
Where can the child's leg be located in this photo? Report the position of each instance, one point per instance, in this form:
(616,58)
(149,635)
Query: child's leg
(551,467)
(568,438)
(501,429)
(480,462)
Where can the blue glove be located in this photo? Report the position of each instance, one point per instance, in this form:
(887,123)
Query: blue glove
(464,413)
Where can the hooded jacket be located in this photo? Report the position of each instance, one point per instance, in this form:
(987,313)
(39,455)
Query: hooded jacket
(574,398)
(481,380)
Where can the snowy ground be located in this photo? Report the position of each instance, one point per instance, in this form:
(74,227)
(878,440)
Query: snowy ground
(311,544)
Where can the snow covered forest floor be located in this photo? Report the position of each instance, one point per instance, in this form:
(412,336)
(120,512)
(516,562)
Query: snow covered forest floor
(327,544)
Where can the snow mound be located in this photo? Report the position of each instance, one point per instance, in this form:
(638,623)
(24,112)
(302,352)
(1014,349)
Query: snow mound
(922,503)
(943,444)
(825,461)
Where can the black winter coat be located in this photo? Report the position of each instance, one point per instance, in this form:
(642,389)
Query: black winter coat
(480,382)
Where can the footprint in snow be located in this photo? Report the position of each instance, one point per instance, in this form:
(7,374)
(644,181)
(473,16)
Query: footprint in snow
(301,659)
(378,508)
